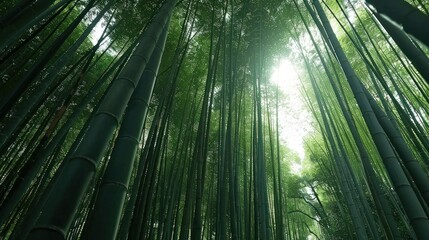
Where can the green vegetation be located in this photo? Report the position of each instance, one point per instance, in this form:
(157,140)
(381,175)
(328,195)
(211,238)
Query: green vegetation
(200,119)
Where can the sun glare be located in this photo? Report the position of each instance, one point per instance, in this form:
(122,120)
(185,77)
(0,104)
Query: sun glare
(294,119)
(285,76)
(96,34)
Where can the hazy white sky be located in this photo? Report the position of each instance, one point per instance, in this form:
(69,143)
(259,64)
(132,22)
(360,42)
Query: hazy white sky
(294,119)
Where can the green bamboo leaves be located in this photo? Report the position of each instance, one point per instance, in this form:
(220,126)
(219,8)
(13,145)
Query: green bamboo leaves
(96,144)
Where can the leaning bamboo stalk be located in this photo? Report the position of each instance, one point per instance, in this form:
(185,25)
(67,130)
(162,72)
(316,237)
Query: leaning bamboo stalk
(64,198)
(111,195)
(408,197)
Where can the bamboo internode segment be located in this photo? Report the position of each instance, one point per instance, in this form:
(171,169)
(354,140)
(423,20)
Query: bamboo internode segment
(410,18)
(65,194)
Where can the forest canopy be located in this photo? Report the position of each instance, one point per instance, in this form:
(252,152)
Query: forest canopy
(198,119)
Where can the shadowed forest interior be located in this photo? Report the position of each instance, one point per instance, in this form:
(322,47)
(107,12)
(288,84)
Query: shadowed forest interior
(205,119)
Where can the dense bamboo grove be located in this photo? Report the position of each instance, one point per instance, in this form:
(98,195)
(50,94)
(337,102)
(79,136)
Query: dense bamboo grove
(163,119)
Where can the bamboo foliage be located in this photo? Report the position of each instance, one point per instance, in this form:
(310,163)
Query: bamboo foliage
(133,135)
(17,90)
